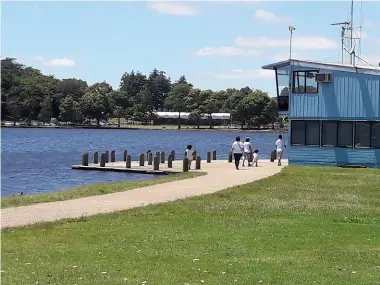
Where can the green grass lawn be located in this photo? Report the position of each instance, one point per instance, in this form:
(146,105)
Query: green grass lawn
(303,226)
(91,190)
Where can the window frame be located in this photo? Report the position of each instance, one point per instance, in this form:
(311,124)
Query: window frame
(294,72)
(352,135)
(370,134)
(372,124)
(305,124)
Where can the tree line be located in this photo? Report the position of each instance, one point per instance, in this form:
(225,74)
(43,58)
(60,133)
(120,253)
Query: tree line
(29,95)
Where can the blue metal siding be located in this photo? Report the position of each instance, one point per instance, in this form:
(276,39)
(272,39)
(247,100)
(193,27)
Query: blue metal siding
(333,156)
(349,96)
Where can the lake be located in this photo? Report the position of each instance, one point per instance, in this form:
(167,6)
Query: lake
(39,160)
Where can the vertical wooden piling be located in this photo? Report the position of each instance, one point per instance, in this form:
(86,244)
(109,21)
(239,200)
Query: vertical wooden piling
(113,156)
(170,161)
(150,158)
(185,164)
(229,157)
(125,155)
(156,163)
(85,159)
(96,157)
(162,157)
(102,160)
(214,155)
(208,157)
(173,155)
(142,159)
(107,156)
(198,163)
(128,161)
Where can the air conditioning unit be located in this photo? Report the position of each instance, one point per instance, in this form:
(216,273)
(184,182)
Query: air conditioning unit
(323,77)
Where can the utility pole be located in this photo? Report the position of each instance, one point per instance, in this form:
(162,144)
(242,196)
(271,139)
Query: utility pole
(291,29)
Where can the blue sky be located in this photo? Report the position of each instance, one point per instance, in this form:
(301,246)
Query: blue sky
(217,45)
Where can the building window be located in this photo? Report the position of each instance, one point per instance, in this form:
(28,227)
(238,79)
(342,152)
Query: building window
(329,133)
(345,134)
(362,134)
(298,136)
(304,81)
(282,82)
(305,133)
(375,135)
(313,133)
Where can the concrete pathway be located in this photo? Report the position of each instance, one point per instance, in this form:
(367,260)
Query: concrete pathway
(220,175)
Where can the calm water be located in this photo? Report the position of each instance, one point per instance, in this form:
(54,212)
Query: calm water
(39,160)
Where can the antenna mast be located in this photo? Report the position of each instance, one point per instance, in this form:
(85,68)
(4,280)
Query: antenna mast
(349,44)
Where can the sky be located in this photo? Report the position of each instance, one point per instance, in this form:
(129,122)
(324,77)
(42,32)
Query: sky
(216,45)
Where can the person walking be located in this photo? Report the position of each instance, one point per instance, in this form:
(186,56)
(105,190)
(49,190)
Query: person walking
(237,150)
(247,151)
(280,147)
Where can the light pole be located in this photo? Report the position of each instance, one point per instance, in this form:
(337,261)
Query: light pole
(291,29)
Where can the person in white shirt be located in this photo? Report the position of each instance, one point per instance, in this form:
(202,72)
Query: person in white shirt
(237,150)
(247,151)
(189,153)
(280,147)
(255,157)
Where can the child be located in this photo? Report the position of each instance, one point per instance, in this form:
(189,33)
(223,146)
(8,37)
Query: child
(280,147)
(255,157)
(189,153)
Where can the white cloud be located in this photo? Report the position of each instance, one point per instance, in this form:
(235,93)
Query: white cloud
(57,62)
(269,16)
(173,8)
(226,51)
(242,74)
(301,43)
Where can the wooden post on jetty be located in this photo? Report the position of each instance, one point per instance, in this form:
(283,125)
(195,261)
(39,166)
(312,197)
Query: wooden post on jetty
(113,156)
(85,159)
(102,160)
(185,164)
(107,156)
(173,154)
(142,159)
(170,161)
(125,155)
(156,163)
(162,157)
(198,163)
(150,158)
(128,161)
(214,155)
(229,157)
(208,157)
(96,157)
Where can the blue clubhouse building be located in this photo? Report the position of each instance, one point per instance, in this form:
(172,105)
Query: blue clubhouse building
(334,112)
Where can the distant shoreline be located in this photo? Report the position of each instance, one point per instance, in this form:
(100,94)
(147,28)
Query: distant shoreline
(152,128)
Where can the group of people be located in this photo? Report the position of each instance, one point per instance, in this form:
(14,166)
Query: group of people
(244,149)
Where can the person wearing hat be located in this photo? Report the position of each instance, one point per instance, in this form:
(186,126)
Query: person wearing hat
(247,151)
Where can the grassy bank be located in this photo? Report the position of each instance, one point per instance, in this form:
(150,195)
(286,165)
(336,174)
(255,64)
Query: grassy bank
(91,190)
(302,226)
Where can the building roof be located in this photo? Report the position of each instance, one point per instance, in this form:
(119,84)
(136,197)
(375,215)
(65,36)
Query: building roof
(325,65)
(185,115)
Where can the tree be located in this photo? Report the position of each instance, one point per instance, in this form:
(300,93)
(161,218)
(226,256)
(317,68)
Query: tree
(95,106)
(159,86)
(70,110)
(195,103)
(256,108)
(132,83)
(143,106)
(211,105)
(271,112)
(176,99)
(46,112)
(119,103)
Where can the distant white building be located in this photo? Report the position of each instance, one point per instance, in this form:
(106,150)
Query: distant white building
(185,115)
